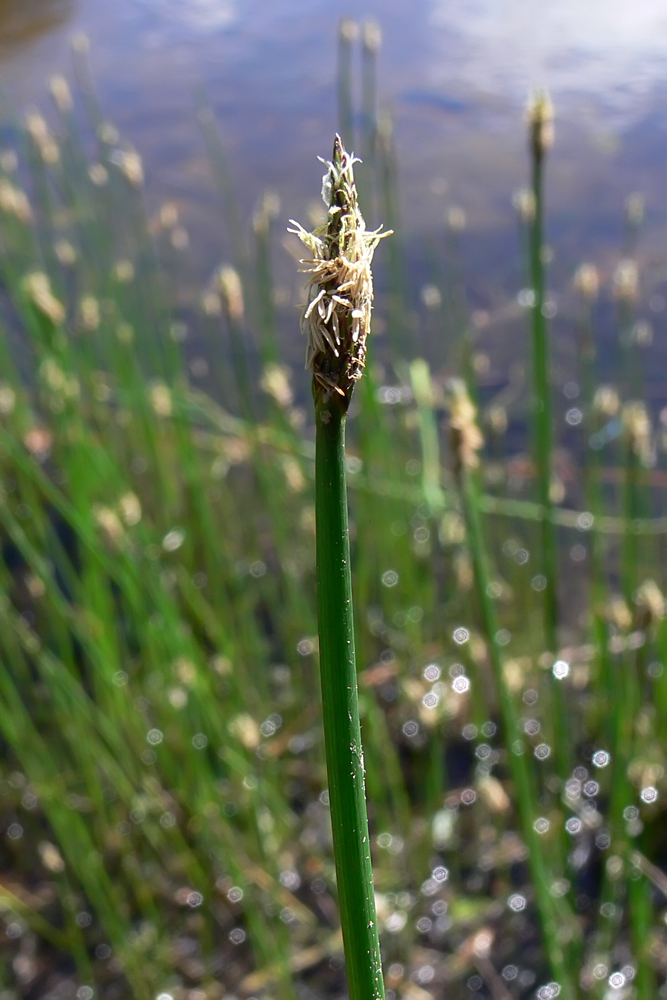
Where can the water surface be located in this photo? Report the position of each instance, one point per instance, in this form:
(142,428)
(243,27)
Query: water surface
(455,74)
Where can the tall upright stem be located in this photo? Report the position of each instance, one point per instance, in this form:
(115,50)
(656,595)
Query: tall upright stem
(347,33)
(340,703)
(336,321)
(541,138)
(542,401)
(554,914)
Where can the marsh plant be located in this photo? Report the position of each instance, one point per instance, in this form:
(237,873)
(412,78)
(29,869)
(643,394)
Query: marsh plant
(336,321)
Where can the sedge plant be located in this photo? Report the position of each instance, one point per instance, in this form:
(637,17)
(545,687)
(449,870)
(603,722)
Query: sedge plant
(336,321)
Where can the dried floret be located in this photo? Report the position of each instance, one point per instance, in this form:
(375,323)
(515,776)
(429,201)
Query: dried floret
(465,436)
(337,315)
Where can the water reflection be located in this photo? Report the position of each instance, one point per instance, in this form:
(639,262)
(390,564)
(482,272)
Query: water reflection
(608,51)
(24,21)
(197,15)
(455,75)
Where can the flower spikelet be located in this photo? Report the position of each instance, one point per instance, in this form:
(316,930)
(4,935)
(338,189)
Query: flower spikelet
(587,282)
(38,289)
(13,201)
(337,316)
(540,118)
(465,436)
(649,605)
(637,429)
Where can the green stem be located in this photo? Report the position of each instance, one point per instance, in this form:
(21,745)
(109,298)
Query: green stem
(543,449)
(556,920)
(340,704)
(346,32)
(422,388)
(400,329)
(630,489)
(591,463)
(265,304)
(366,178)
(543,408)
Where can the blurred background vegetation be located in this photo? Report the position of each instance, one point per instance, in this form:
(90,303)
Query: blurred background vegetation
(163,810)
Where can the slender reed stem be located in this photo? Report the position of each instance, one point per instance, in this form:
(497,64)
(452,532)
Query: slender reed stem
(399,325)
(587,283)
(541,138)
(555,918)
(371,40)
(266,312)
(422,388)
(342,733)
(347,34)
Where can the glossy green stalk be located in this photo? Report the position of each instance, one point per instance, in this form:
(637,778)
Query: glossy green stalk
(630,498)
(422,389)
(556,920)
(266,310)
(587,284)
(541,388)
(340,705)
(541,138)
(347,34)
(371,38)
(400,326)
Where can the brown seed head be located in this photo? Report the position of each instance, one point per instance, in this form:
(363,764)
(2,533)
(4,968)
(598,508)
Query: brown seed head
(649,605)
(371,36)
(337,315)
(587,282)
(456,219)
(606,402)
(637,429)
(275,382)
(540,117)
(232,292)
(81,44)
(40,134)
(618,614)
(348,30)
(131,166)
(61,93)
(464,434)
(626,282)
(13,201)
(38,289)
